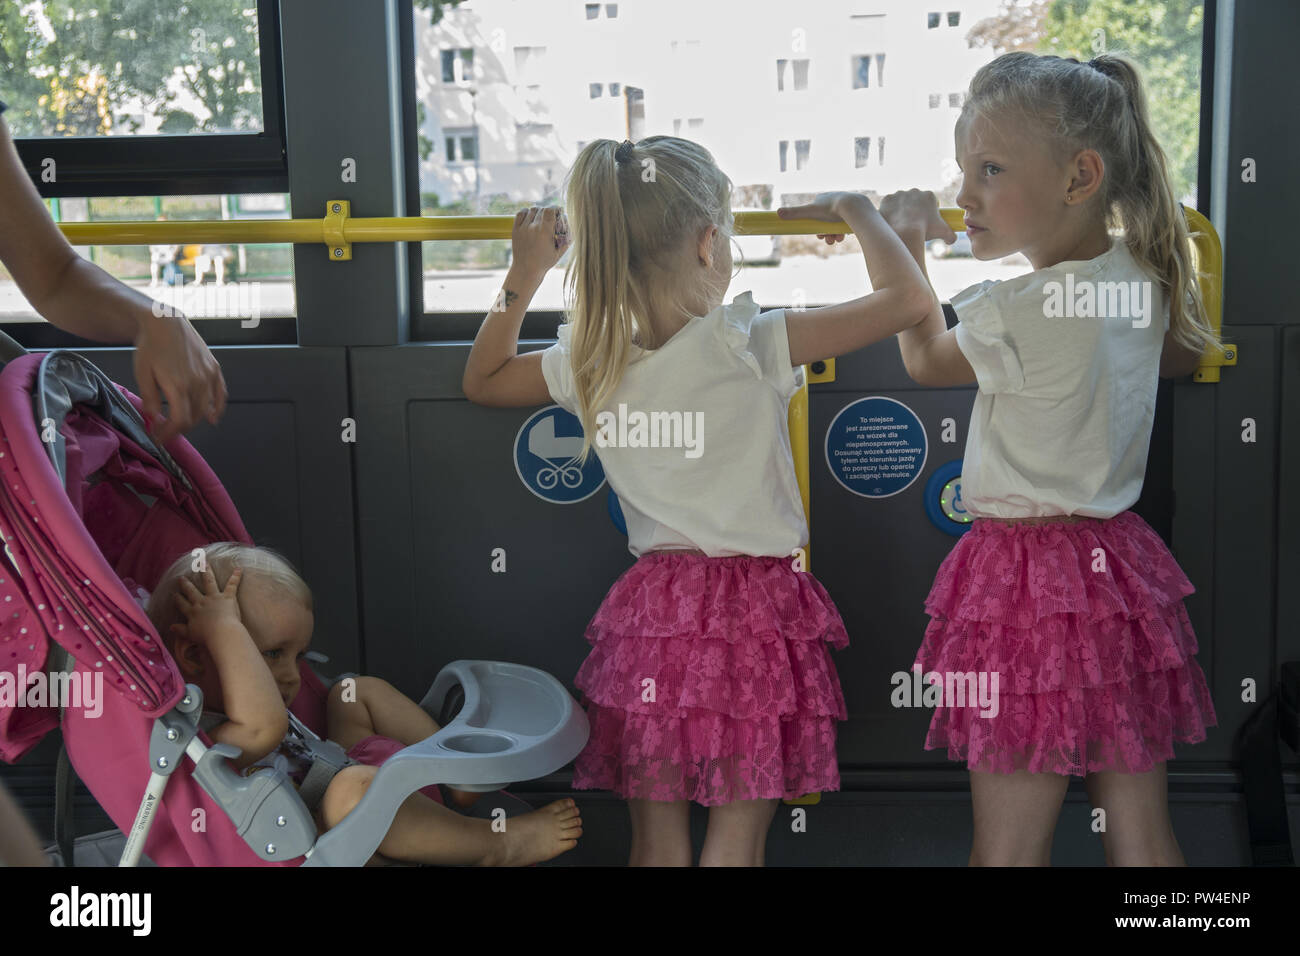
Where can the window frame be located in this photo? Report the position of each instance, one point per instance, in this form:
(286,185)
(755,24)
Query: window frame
(166,165)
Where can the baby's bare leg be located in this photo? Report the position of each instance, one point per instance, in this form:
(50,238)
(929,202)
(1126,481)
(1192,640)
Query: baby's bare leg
(369,706)
(374,706)
(424,832)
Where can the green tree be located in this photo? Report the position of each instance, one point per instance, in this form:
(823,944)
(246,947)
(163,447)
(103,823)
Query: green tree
(80,67)
(1162,36)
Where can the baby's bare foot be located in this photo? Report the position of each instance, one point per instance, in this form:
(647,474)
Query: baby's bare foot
(541,835)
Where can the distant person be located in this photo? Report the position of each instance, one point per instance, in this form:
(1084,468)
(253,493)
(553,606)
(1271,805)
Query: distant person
(75,295)
(210,256)
(162,258)
(710,679)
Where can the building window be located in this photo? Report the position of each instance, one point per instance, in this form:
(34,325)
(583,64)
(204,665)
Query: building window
(880,155)
(533,140)
(457,66)
(934,100)
(862,71)
(461,145)
(593,11)
(954,18)
(932,21)
(801,74)
(785,152)
(802,149)
(954,99)
(530,65)
(800,79)
(615,89)
(611,11)
(595,89)
(861,151)
(692,125)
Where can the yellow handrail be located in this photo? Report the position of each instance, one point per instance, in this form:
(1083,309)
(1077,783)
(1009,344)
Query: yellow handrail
(384,229)
(337,231)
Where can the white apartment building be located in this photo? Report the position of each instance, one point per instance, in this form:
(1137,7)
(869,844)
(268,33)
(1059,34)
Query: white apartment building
(804,97)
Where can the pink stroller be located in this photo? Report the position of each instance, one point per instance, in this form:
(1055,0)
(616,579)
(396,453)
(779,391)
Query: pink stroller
(91,514)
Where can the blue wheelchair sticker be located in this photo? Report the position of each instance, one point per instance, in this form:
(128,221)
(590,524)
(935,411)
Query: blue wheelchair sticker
(943,502)
(876,447)
(545,449)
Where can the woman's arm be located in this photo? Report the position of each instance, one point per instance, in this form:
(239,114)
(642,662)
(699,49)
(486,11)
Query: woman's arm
(77,296)
(495,373)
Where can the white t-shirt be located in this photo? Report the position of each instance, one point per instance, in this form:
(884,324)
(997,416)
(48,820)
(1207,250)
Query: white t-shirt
(722,477)
(1067,387)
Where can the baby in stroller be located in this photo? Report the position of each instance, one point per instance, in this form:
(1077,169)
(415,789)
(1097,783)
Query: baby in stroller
(239,630)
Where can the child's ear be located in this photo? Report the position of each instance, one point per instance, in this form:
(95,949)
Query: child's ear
(188,654)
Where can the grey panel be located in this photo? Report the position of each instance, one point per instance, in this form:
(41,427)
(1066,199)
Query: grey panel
(279,454)
(1288,503)
(437,491)
(1245,519)
(342,96)
(1258,276)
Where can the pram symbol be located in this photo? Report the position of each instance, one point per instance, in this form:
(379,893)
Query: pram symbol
(546,453)
(557,453)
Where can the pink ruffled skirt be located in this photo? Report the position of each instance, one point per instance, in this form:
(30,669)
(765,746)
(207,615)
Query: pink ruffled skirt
(710,680)
(1095,662)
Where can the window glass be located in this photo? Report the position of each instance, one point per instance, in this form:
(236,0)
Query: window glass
(107,68)
(205,281)
(704,71)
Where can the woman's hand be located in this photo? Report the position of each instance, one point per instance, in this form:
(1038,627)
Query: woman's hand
(828,207)
(539,237)
(916,211)
(209,610)
(171,359)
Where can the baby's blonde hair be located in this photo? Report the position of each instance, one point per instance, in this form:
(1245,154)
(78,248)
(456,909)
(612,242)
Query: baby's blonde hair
(631,215)
(1102,105)
(269,567)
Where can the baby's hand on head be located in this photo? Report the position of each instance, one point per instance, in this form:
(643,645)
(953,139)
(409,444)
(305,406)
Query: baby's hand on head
(207,610)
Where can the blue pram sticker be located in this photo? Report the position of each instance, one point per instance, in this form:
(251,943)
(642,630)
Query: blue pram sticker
(546,451)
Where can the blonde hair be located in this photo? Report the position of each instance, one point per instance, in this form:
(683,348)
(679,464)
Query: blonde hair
(269,567)
(632,209)
(1102,105)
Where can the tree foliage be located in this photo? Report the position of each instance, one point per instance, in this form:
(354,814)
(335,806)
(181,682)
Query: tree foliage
(1162,36)
(87,67)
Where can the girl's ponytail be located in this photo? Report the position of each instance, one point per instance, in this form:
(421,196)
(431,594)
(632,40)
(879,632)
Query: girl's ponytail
(632,209)
(1155,228)
(597,277)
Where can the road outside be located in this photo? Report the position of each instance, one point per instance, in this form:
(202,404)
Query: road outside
(817,281)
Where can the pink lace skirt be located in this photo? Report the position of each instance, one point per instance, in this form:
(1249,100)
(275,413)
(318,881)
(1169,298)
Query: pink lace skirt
(710,680)
(1095,663)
